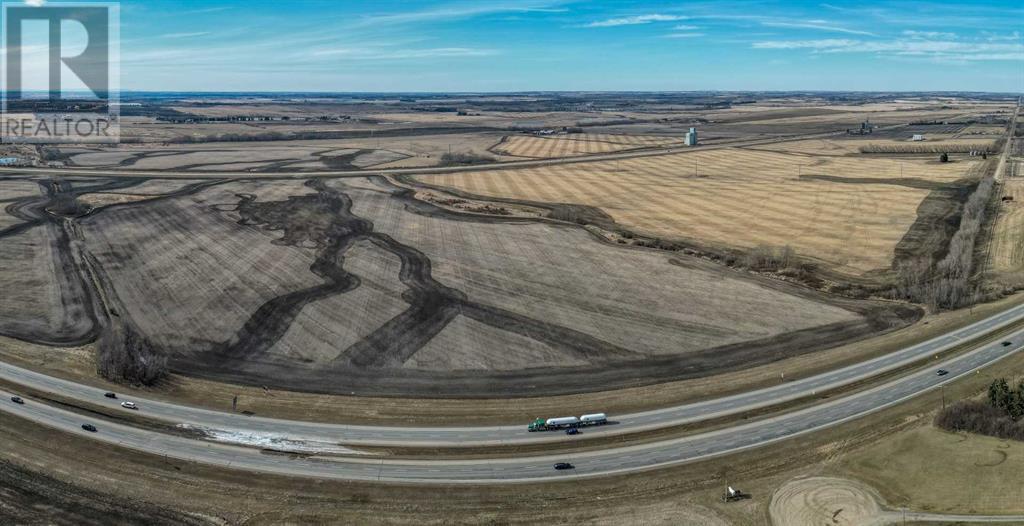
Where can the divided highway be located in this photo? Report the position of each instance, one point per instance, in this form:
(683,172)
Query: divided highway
(535,468)
(515,432)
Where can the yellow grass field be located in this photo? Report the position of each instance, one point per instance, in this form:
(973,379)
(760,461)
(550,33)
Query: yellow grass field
(1007,248)
(739,198)
(577,144)
(939,472)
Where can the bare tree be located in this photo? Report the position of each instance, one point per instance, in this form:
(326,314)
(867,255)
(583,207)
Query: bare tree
(124,355)
(947,284)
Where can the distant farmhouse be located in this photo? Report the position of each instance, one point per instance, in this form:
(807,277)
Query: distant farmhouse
(866,128)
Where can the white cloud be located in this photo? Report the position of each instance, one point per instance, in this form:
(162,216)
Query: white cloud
(929,34)
(185,35)
(820,25)
(684,35)
(945,50)
(460,12)
(993,37)
(205,10)
(377,54)
(636,20)
(683,27)
(829,43)
(35,3)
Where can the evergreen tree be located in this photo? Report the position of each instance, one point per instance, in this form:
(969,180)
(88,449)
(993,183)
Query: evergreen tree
(1000,395)
(1017,402)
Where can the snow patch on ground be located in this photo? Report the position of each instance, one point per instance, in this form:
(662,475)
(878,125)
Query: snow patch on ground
(273,441)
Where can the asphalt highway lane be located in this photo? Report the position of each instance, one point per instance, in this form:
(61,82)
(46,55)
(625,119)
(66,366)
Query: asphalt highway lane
(532,468)
(355,435)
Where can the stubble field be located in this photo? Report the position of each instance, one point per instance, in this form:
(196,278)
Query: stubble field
(848,212)
(351,285)
(283,156)
(578,144)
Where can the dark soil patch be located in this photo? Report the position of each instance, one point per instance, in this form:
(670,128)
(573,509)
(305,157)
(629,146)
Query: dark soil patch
(908,182)
(343,162)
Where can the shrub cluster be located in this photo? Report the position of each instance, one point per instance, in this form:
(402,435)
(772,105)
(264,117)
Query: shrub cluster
(764,258)
(1000,415)
(465,159)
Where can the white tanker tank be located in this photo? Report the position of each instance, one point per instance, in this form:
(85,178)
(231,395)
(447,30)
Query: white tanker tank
(593,419)
(564,421)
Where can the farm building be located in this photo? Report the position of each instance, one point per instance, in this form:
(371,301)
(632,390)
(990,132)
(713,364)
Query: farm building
(866,128)
(691,137)
(917,137)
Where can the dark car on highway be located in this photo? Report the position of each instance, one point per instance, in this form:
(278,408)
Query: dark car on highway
(17,400)
(572,431)
(941,372)
(564,465)
(1007,344)
(89,427)
(110,395)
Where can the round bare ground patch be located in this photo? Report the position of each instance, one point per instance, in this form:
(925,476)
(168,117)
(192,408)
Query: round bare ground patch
(823,500)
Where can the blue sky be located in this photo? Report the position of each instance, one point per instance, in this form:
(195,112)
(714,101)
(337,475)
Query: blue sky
(515,45)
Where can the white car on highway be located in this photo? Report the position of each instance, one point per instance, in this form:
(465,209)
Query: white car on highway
(129,405)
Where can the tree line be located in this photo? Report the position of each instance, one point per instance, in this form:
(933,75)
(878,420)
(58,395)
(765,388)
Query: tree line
(946,283)
(990,147)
